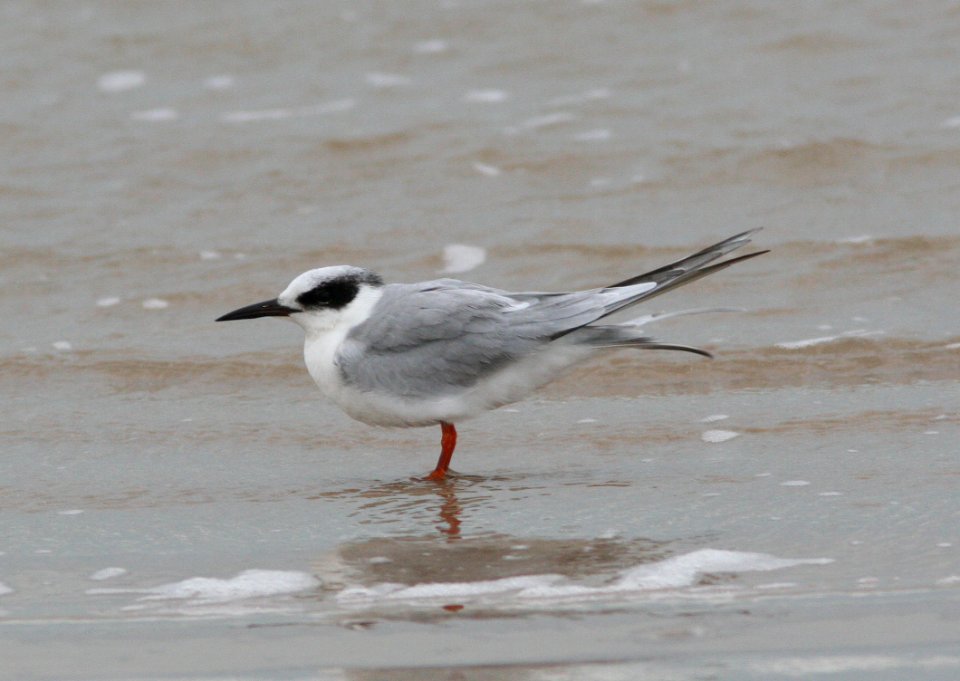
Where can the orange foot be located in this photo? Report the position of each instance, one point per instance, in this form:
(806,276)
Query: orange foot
(448,442)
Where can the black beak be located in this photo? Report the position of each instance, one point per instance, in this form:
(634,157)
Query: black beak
(268,308)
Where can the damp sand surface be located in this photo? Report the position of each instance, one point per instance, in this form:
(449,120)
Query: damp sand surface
(178,502)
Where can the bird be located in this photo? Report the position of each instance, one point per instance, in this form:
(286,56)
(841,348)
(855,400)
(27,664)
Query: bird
(441,351)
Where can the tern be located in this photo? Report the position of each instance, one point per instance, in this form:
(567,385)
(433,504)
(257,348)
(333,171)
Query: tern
(438,352)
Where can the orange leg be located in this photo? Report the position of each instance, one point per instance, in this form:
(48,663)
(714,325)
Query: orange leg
(448,441)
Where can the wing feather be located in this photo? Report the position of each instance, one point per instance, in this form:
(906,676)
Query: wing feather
(440,337)
(433,339)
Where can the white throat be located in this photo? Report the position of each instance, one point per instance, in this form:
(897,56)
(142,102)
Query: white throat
(325,332)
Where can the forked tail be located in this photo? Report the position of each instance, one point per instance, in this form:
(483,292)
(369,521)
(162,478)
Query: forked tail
(664,279)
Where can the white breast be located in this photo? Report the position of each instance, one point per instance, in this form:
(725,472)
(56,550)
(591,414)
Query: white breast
(325,333)
(383,409)
(320,356)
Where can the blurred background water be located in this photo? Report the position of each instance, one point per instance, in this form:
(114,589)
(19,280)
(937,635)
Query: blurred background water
(179,502)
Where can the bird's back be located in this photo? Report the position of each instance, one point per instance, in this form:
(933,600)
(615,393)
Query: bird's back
(434,338)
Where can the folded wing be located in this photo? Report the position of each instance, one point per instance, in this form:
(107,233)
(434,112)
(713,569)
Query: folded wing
(441,337)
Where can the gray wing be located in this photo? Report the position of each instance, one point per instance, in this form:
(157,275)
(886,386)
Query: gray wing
(439,337)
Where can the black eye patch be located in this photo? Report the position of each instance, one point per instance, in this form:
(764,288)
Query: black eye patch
(333,294)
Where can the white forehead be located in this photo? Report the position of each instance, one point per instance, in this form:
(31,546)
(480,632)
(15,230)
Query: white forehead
(312,278)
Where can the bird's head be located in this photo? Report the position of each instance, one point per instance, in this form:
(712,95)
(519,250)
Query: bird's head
(319,299)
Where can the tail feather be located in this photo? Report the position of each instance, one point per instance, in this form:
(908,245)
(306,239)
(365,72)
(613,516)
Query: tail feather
(625,336)
(691,262)
(645,286)
(688,277)
(673,346)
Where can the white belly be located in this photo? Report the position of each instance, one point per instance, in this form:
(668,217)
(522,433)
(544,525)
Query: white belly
(384,409)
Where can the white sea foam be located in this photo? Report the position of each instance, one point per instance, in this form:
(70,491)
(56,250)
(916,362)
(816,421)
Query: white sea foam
(200,590)
(120,81)
(486,169)
(379,79)
(807,342)
(587,96)
(595,135)
(155,304)
(776,585)
(462,258)
(219,82)
(952,122)
(714,417)
(684,570)
(334,106)
(435,46)
(489,96)
(108,573)
(810,342)
(807,667)
(4,589)
(108,301)
(718,435)
(861,239)
(795,483)
(673,573)
(548,120)
(71,511)
(62,346)
(156,115)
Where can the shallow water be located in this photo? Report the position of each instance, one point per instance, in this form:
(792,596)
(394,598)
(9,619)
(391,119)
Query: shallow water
(179,502)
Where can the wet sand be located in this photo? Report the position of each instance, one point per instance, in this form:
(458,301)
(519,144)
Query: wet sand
(180,503)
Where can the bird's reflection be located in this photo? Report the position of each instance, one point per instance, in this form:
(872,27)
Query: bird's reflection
(434,538)
(449,510)
(444,503)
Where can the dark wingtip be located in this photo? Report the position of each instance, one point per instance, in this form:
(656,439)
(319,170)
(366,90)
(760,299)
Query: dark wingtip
(710,269)
(672,346)
(701,352)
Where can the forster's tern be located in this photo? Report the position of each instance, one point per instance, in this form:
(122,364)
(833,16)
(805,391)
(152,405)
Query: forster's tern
(441,351)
